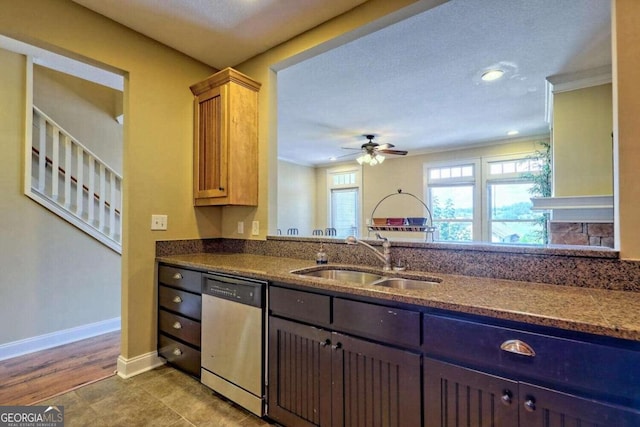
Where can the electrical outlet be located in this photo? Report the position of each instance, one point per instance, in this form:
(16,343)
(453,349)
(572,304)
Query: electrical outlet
(158,222)
(255,228)
(240,227)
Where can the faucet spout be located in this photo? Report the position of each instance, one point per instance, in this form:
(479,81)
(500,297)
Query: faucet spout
(385,256)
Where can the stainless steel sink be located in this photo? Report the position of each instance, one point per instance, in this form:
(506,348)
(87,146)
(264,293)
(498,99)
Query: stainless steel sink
(360,277)
(401,283)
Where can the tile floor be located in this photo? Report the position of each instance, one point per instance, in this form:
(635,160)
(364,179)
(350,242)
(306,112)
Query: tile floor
(161,397)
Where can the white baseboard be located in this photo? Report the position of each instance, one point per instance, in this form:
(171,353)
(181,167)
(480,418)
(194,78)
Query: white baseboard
(54,339)
(128,368)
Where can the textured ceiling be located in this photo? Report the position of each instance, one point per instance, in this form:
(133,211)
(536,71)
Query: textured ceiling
(220,33)
(416,84)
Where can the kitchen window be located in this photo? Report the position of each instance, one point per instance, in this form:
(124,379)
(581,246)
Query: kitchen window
(484,199)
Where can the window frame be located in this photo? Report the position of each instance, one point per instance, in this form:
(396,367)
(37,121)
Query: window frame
(357,185)
(428,183)
(481,180)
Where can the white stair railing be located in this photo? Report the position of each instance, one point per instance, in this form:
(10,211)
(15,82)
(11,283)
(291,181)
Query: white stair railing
(68,179)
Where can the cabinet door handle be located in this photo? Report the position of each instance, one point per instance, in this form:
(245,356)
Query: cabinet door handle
(177,325)
(221,188)
(177,352)
(177,299)
(177,276)
(337,346)
(506,398)
(518,347)
(325,343)
(530,405)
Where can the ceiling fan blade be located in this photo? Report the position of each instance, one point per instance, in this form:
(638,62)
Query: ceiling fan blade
(385,146)
(396,152)
(349,148)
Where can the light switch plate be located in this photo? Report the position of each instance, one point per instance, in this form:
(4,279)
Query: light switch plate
(240,227)
(255,228)
(158,222)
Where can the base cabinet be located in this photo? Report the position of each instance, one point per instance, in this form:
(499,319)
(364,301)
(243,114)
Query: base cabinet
(457,396)
(323,378)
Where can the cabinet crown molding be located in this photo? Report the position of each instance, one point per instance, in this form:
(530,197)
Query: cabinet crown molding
(224,76)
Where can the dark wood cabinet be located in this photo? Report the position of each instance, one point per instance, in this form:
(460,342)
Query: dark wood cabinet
(456,396)
(321,377)
(179,314)
(581,379)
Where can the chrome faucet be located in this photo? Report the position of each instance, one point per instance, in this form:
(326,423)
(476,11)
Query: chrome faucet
(385,256)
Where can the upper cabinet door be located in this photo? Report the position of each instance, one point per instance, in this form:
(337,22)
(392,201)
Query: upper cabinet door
(210,159)
(226,140)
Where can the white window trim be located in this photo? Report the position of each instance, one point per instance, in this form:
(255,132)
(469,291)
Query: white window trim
(488,179)
(476,227)
(481,229)
(330,186)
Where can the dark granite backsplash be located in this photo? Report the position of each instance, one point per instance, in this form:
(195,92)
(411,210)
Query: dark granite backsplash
(560,266)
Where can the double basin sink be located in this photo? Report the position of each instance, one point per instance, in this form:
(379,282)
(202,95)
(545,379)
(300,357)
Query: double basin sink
(368,278)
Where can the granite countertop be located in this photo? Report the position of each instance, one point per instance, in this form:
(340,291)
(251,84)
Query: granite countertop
(596,311)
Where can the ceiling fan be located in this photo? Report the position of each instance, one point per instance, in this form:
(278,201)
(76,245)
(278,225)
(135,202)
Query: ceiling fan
(372,151)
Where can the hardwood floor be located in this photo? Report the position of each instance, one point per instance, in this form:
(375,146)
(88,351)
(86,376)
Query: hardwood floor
(29,379)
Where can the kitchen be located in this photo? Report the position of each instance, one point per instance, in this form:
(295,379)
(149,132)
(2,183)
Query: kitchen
(158,121)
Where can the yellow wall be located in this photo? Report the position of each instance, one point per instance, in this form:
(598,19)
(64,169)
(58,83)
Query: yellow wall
(582,144)
(626,104)
(296,198)
(157,140)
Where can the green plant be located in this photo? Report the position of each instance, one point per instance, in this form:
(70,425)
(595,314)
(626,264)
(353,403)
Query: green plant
(541,181)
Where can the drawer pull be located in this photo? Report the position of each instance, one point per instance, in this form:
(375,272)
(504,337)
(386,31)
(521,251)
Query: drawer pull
(518,347)
(177,325)
(507,397)
(177,352)
(177,299)
(177,276)
(337,346)
(325,343)
(530,405)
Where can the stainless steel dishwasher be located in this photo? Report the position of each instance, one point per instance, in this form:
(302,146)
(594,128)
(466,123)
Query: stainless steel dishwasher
(233,337)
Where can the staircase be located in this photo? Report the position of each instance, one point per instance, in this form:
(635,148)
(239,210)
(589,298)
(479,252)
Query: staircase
(72,182)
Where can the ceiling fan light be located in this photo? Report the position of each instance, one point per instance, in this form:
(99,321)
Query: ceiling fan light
(360,160)
(380,158)
(367,158)
(373,162)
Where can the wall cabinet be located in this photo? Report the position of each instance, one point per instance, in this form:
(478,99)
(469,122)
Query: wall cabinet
(226,140)
(322,377)
(506,377)
(179,315)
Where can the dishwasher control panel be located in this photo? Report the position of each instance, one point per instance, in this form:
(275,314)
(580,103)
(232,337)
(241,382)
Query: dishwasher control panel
(238,289)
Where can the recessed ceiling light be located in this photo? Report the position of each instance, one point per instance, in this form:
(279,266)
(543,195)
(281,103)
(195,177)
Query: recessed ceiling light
(491,75)
(512,132)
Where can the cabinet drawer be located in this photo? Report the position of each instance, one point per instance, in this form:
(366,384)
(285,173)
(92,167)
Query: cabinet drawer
(188,280)
(388,324)
(179,327)
(179,354)
(300,305)
(575,364)
(181,302)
